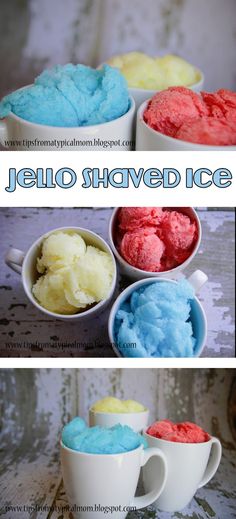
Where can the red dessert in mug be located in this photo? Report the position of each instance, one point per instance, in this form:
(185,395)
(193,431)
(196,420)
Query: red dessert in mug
(185,432)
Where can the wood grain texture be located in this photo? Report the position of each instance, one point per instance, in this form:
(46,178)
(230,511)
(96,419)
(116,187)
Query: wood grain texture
(36,403)
(25,331)
(39,34)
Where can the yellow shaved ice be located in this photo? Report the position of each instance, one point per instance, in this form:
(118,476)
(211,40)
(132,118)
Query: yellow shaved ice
(60,249)
(49,291)
(177,72)
(143,71)
(139,70)
(74,275)
(111,404)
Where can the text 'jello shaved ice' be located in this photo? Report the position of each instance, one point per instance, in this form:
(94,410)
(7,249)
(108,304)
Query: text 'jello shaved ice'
(205,118)
(185,432)
(155,321)
(111,404)
(70,96)
(74,275)
(98,440)
(143,71)
(155,239)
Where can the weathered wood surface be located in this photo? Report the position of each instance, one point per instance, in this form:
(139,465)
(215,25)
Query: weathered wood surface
(36,403)
(25,331)
(38,34)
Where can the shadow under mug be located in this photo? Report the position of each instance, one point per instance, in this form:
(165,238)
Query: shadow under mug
(190,466)
(109,481)
(25,264)
(119,133)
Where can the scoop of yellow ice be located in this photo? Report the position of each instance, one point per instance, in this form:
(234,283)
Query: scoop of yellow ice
(142,71)
(60,249)
(73,275)
(111,404)
(50,293)
(176,71)
(139,70)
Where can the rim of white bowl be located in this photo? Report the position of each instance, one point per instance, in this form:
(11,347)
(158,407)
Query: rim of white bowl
(127,292)
(187,144)
(147,272)
(87,454)
(83,313)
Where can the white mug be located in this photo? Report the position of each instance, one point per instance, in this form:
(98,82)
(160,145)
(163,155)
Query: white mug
(137,421)
(135,273)
(104,485)
(119,133)
(25,264)
(190,466)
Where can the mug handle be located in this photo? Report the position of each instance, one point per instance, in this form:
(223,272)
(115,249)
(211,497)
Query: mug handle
(150,497)
(197,280)
(216,452)
(3,132)
(14,259)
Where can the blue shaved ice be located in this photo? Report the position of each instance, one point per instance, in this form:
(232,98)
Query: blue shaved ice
(155,321)
(70,96)
(98,440)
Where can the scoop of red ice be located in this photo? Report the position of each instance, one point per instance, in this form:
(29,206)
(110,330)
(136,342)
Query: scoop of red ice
(131,218)
(143,249)
(167,110)
(185,432)
(214,132)
(221,104)
(179,234)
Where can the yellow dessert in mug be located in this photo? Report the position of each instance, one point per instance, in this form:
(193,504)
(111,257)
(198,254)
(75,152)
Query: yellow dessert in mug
(157,73)
(111,404)
(72,274)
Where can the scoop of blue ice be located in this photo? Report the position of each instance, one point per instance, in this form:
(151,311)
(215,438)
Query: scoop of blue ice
(70,96)
(99,440)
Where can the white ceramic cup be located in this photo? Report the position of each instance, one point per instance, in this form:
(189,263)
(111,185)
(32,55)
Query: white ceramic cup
(109,481)
(140,94)
(137,421)
(148,139)
(190,466)
(119,133)
(197,315)
(25,264)
(137,274)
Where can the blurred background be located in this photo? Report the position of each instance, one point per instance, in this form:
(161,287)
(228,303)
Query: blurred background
(36,34)
(36,403)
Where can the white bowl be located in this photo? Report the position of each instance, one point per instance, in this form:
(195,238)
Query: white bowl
(25,264)
(119,134)
(198,316)
(148,139)
(135,273)
(137,421)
